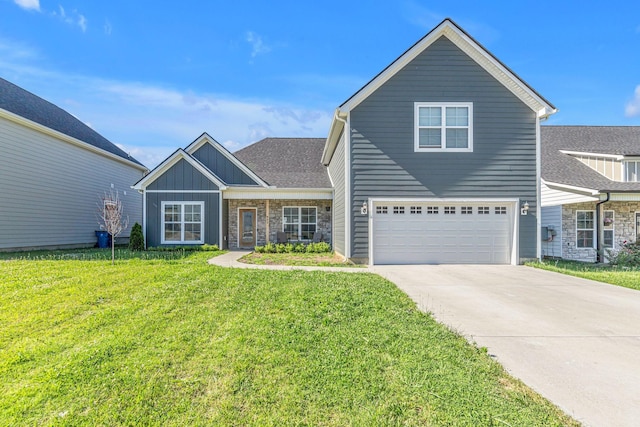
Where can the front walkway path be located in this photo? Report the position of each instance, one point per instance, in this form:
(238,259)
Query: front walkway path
(230,259)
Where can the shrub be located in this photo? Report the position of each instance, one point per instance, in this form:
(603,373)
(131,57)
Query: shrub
(281,248)
(627,256)
(300,248)
(258,249)
(136,238)
(319,247)
(270,248)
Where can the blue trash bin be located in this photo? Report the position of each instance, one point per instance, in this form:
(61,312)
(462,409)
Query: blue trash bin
(103,238)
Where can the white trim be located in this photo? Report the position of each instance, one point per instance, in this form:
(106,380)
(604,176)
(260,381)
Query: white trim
(220,233)
(299,218)
(348,205)
(593,230)
(243,193)
(66,138)
(182,191)
(538,190)
(612,229)
(170,161)
(635,218)
(255,227)
(443,127)
(206,138)
(588,154)
(144,218)
(515,247)
(182,204)
(572,188)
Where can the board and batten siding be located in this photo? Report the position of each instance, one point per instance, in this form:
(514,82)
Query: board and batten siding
(383,161)
(50,190)
(337,174)
(215,161)
(551,216)
(182,182)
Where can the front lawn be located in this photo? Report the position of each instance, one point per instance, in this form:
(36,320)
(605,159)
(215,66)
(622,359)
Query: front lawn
(178,342)
(615,275)
(326,259)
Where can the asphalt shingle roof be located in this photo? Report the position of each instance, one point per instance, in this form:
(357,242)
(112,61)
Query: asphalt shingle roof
(566,169)
(287,162)
(25,104)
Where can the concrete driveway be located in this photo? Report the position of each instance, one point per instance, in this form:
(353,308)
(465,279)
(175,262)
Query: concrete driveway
(575,341)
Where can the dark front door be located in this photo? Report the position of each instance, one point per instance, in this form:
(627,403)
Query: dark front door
(247,228)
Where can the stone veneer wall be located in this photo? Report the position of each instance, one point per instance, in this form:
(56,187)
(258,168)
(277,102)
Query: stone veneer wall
(624,227)
(323,220)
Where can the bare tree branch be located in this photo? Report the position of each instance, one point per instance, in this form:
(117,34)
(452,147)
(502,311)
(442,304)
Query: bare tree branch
(111,217)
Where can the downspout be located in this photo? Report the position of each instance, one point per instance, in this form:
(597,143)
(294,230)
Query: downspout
(598,230)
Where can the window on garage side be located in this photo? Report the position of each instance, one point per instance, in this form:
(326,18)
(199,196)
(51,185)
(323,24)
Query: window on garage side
(415,210)
(432,210)
(299,222)
(382,210)
(182,222)
(500,210)
(466,210)
(399,210)
(449,210)
(608,229)
(585,229)
(483,210)
(446,126)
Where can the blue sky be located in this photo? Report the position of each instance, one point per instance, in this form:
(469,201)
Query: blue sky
(152,76)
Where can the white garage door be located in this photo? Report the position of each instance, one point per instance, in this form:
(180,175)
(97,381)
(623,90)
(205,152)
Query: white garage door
(442,232)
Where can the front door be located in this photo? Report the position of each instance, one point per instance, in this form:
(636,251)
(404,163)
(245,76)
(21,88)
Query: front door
(246,228)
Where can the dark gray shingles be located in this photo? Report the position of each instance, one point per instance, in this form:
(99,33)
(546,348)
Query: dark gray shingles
(565,169)
(287,162)
(25,104)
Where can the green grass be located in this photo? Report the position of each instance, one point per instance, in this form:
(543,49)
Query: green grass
(96,254)
(178,342)
(620,276)
(297,259)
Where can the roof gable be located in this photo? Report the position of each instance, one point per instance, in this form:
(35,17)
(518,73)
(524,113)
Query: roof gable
(171,161)
(205,139)
(21,103)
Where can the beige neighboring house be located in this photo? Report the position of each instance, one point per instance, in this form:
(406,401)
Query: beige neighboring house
(590,190)
(53,171)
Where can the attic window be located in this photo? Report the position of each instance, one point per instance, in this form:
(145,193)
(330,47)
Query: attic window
(632,171)
(446,126)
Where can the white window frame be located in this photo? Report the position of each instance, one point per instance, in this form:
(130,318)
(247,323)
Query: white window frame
(609,228)
(593,230)
(443,126)
(182,204)
(300,223)
(636,170)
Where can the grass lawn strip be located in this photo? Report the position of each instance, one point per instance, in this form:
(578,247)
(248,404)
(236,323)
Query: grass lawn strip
(297,259)
(178,342)
(619,276)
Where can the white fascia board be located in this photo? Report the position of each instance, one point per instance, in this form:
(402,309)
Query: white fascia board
(337,126)
(588,154)
(206,138)
(448,29)
(278,193)
(571,188)
(163,167)
(66,138)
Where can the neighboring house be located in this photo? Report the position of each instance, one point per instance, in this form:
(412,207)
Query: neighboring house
(53,171)
(205,194)
(590,190)
(435,160)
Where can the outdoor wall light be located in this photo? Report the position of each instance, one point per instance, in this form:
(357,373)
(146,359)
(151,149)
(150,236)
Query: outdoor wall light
(524,209)
(363,209)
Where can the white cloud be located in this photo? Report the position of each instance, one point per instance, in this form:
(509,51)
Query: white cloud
(73,18)
(28,4)
(633,107)
(257,45)
(107,27)
(82,23)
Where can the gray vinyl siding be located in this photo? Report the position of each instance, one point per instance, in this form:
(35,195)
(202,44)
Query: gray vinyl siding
(50,190)
(211,214)
(182,176)
(383,161)
(220,165)
(552,216)
(336,172)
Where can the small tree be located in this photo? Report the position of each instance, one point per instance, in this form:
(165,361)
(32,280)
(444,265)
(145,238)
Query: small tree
(136,239)
(111,218)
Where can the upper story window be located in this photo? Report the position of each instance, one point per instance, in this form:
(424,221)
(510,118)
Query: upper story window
(445,126)
(632,171)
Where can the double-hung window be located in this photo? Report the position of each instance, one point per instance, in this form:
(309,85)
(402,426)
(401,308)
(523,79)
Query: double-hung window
(446,126)
(182,222)
(632,171)
(585,221)
(299,222)
(607,229)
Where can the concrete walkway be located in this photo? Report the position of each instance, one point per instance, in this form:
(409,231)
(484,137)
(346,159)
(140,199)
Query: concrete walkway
(575,341)
(230,259)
